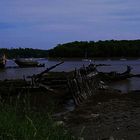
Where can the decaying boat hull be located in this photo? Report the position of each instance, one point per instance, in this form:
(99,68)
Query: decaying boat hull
(114,76)
(25,63)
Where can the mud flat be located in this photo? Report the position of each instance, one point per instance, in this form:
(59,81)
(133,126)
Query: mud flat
(108,115)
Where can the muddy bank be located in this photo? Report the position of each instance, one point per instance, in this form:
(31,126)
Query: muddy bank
(107,115)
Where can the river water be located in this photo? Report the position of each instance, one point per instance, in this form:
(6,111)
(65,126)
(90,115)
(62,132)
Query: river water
(68,65)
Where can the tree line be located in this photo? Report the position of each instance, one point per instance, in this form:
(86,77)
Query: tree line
(108,48)
(24,53)
(84,49)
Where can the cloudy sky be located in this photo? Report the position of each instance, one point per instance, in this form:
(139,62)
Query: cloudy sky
(46,23)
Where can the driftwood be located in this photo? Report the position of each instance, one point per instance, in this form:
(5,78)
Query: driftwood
(47,70)
(114,76)
(80,86)
(36,78)
(88,80)
(13,87)
(84,85)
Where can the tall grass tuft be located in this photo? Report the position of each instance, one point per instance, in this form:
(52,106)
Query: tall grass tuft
(19,122)
(30,126)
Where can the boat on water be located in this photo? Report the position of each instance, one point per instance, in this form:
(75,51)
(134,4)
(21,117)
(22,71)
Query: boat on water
(28,62)
(2,61)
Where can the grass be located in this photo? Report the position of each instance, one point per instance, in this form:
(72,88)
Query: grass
(29,126)
(19,122)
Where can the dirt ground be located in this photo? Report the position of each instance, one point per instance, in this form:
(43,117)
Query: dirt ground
(107,116)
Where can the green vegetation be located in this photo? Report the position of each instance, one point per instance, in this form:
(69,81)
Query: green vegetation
(15,125)
(90,49)
(25,116)
(108,48)
(24,52)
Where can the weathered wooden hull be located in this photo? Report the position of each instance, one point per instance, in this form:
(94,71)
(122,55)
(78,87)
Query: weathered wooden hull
(114,76)
(109,78)
(23,64)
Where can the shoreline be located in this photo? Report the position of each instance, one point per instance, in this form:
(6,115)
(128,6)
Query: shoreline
(107,115)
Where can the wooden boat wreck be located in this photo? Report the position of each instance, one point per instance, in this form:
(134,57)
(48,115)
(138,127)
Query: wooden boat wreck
(28,62)
(2,61)
(115,76)
(78,85)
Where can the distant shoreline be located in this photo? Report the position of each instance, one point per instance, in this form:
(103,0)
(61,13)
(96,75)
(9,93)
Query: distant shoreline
(81,49)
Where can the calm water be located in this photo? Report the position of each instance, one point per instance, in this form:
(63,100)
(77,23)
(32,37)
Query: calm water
(116,65)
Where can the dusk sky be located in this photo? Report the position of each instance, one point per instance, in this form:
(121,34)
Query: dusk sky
(45,23)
